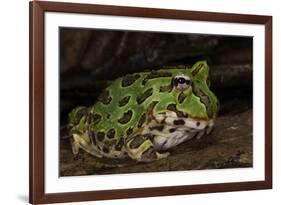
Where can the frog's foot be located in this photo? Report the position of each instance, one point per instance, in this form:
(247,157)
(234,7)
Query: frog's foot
(141,149)
(207,130)
(78,142)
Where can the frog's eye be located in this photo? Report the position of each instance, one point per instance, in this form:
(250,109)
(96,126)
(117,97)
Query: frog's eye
(181,82)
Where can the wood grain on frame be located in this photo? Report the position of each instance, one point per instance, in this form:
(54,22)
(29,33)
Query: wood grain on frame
(36,151)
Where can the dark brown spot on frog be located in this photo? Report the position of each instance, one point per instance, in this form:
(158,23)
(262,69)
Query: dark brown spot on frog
(96,118)
(181,97)
(110,143)
(105,97)
(165,88)
(142,120)
(111,133)
(125,153)
(92,137)
(129,131)
(156,74)
(129,80)
(79,114)
(142,97)
(157,127)
(179,122)
(105,150)
(93,118)
(124,101)
(126,117)
(119,145)
(108,116)
(197,124)
(172,130)
(139,139)
(100,136)
(163,121)
(150,109)
(173,107)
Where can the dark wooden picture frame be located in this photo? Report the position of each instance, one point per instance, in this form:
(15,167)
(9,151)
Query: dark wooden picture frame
(37,96)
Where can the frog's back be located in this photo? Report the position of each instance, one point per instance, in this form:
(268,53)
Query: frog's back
(121,107)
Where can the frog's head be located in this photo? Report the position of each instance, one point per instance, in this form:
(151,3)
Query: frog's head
(191,96)
(194,96)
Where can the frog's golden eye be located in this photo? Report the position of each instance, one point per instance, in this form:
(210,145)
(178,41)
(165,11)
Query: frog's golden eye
(182,82)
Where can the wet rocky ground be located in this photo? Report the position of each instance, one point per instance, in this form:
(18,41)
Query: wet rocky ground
(228,146)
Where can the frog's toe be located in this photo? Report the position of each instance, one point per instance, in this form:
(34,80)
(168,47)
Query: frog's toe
(162,155)
(141,149)
(148,156)
(199,135)
(75,146)
(152,155)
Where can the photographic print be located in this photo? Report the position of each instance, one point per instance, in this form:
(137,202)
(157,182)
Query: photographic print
(138,101)
(132,102)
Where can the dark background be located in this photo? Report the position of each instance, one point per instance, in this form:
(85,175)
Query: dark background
(90,59)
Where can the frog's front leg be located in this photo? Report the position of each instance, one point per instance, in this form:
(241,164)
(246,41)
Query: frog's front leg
(83,141)
(140,148)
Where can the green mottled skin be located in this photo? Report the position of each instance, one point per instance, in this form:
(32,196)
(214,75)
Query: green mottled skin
(191,105)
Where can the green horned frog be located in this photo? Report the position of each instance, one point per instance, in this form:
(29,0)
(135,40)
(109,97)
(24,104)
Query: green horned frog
(144,114)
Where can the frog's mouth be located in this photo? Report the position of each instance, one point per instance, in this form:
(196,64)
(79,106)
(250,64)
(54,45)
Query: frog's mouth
(171,119)
(176,130)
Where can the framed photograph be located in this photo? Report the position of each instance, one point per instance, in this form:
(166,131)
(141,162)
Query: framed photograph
(140,102)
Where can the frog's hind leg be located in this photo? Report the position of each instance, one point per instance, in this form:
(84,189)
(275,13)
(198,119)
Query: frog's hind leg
(78,129)
(140,148)
(83,141)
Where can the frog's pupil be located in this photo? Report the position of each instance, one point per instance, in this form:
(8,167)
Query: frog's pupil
(181,80)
